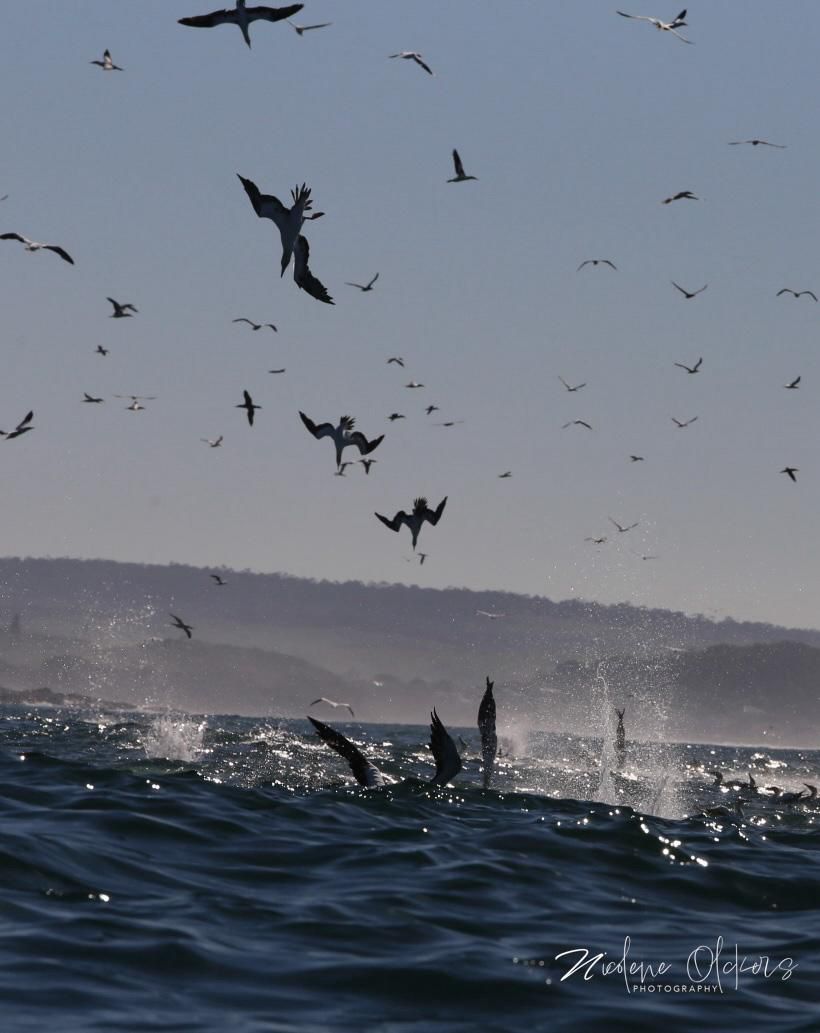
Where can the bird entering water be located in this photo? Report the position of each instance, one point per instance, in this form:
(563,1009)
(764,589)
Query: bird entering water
(489,739)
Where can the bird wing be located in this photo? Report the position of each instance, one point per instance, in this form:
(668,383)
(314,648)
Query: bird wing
(606,261)
(266,206)
(422,64)
(364,771)
(434,517)
(26,419)
(302,275)
(637,17)
(273,14)
(62,252)
(14,236)
(445,754)
(208,21)
(349,284)
(242,319)
(321,430)
(364,446)
(683,39)
(811,294)
(683,292)
(457,162)
(400,518)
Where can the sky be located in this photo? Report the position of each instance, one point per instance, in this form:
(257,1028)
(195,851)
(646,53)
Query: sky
(577,124)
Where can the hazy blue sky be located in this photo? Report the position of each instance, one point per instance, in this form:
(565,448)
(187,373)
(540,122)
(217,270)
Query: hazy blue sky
(577,123)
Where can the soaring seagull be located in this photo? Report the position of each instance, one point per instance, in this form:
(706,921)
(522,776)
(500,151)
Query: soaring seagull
(690,369)
(489,739)
(248,406)
(180,623)
(412,55)
(333,703)
(23,427)
(460,176)
(254,326)
(288,221)
(32,245)
(689,294)
(343,435)
(796,294)
(416,519)
(672,26)
(121,311)
(241,16)
(107,64)
(367,287)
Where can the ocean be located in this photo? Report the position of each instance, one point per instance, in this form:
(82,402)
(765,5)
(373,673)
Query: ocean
(163,872)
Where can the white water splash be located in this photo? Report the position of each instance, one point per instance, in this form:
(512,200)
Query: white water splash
(174,738)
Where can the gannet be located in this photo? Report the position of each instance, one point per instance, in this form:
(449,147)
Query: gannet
(340,469)
(248,406)
(796,294)
(577,423)
(672,26)
(88,398)
(303,277)
(412,55)
(396,416)
(596,541)
(180,623)
(302,29)
(32,245)
(690,369)
(623,530)
(791,471)
(570,388)
(101,351)
(596,261)
(213,443)
(333,703)
(620,732)
(283,370)
(505,475)
(460,176)
(682,423)
(414,383)
(637,459)
(416,519)
(121,311)
(107,64)
(241,16)
(397,359)
(288,221)
(366,287)
(135,401)
(254,326)
(794,384)
(431,409)
(680,196)
(722,811)
(489,739)
(755,143)
(367,463)
(217,580)
(343,435)
(23,427)
(489,615)
(689,294)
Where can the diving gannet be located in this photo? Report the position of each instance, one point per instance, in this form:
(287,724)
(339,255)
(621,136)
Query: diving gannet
(431,409)
(107,64)
(460,176)
(343,435)
(254,326)
(333,703)
(121,311)
(248,406)
(690,369)
(367,287)
(672,26)
(288,221)
(23,427)
(180,623)
(241,16)
(489,739)
(620,732)
(32,245)
(364,771)
(796,294)
(689,294)
(412,55)
(416,519)
(303,277)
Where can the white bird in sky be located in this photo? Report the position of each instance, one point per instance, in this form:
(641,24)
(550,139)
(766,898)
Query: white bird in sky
(343,435)
(107,64)
(213,442)
(672,26)
(32,245)
(416,519)
(333,703)
(412,55)
(366,287)
(241,16)
(288,221)
(121,311)
(302,29)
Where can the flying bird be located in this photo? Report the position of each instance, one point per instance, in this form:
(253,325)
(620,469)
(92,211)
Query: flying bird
(23,427)
(449,423)
(422,557)
(217,580)
(367,463)
(288,221)
(367,287)
(507,473)
(431,409)
(623,530)
(254,326)
(396,416)
(791,471)
(414,383)
(577,423)
(489,615)
(333,703)
(689,294)
(794,384)
(248,406)
(180,623)
(343,435)
(416,519)
(412,55)
(283,370)
(596,541)
(241,16)
(684,423)
(596,261)
(135,401)
(107,64)
(797,294)
(88,398)
(340,470)
(756,143)
(302,29)
(460,176)
(680,196)
(690,369)
(399,361)
(486,728)
(99,350)
(569,387)
(32,245)
(121,311)
(672,26)
(213,443)
(637,459)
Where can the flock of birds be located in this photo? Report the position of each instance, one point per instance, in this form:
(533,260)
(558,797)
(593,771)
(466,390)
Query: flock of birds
(290,220)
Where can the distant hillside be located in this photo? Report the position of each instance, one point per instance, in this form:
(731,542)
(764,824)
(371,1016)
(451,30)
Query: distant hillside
(268,644)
